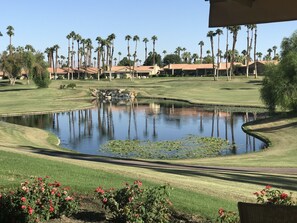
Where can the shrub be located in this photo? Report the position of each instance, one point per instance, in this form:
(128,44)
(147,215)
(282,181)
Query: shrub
(71,85)
(35,201)
(227,216)
(41,76)
(274,196)
(134,204)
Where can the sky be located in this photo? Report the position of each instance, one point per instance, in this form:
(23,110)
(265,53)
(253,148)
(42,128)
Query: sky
(176,23)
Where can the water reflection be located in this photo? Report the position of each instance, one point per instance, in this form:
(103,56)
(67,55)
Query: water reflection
(86,130)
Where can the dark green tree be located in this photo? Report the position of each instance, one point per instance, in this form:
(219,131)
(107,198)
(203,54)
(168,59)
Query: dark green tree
(151,59)
(171,59)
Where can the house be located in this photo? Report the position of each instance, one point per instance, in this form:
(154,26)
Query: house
(261,66)
(139,71)
(197,69)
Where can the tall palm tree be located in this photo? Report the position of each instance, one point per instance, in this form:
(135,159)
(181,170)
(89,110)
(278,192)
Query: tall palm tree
(78,38)
(234,30)
(164,52)
(145,40)
(68,59)
(227,50)
(10,33)
(99,50)
(154,39)
(115,61)
(29,48)
(111,39)
(128,38)
(195,57)
(201,44)
(56,48)
(259,55)
(211,34)
(250,28)
(255,51)
(135,39)
(72,34)
(219,32)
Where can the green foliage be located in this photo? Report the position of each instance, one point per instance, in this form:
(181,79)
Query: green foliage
(171,59)
(41,75)
(188,147)
(227,216)
(12,64)
(134,204)
(280,82)
(71,85)
(36,200)
(125,62)
(149,60)
(274,196)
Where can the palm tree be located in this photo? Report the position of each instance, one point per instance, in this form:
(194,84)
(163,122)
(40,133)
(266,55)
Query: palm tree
(115,61)
(227,50)
(128,38)
(177,50)
(219,32)
(211,34)
(259,55)
(78,38)
(145,40)
(56,48)
(29,48)
(164,52)
(72,35)
(274,51)
(249,27)
(110,40)
(135,39)
(269,53)
(10,33)
(201,44)
(234,30)
(195,57)
(68,62)
(255,51)
(154,39)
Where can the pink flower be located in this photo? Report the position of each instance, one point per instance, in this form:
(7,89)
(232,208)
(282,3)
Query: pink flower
(104,200)
(23,207)
(68,198)
(100,190)
(23,199)
(268,187)
(221,211)
(139,183)
(30,210)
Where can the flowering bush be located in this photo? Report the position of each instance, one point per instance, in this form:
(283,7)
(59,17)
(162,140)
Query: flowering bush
(227,216)
(274,196)
(36,200)
(134,204)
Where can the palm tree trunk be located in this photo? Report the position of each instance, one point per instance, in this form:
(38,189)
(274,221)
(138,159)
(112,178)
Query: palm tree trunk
(255,52)
(212,59)
(227,48)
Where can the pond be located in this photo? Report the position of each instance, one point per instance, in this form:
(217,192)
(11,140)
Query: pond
(86,131)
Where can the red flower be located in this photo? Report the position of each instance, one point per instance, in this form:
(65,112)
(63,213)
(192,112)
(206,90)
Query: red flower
(268,187)
(284,196)
(51,209)
(39,178)
(104,200)
(23,199)
(23,207)
(68,198)
(139,183)
(221,211)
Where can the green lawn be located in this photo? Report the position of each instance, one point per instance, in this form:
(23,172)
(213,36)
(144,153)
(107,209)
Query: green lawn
(200,192)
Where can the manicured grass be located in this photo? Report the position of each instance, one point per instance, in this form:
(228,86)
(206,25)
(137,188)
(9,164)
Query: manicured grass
(199,192)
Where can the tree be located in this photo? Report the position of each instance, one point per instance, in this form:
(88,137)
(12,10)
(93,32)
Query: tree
(279,84)
(29,48)
(120,54)
(227,50)
(255,50)
(150,61)
(195,57)
(56,48)
(78,38)
(124,62)
(171,59)
(10,33)
(177,50)
(201,44)
(211,34)
(145,40)
(68,58)
(128,38)
(219,32)
(154,39)
(164,52)
(135,39)
(250,29)
(72,35)
(234,30)
(269,54)
(12,66)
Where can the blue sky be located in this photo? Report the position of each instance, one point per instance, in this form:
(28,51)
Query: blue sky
(175,23)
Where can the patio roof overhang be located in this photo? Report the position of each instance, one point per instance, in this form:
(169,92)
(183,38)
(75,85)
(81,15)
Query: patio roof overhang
(240,12)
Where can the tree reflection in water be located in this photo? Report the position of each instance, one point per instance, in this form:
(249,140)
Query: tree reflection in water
(158,120)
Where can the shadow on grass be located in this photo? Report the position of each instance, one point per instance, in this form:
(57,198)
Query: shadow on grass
(286,178)
(255,82)
(19,89)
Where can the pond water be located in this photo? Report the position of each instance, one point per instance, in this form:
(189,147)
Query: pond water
(86,130)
